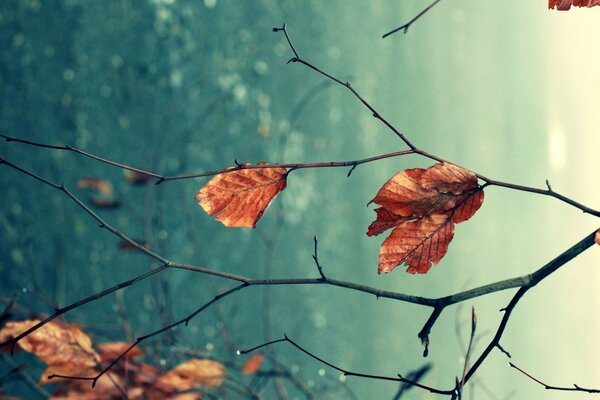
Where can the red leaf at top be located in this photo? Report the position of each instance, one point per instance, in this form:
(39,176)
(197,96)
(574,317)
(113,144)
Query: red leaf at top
(565,5)
(241,196)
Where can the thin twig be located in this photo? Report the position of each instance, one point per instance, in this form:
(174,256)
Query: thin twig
(575,388)
(469,347)
(331,164)
(409,23)
(316,259)
(398,378)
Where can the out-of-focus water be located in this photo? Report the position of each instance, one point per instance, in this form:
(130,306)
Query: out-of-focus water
(510,90)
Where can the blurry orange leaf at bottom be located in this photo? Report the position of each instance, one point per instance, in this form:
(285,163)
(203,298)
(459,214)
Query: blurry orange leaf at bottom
(112,350)
(193,373)
(65,348)
(252,364)
(241,196)
(597,237)
(565,5)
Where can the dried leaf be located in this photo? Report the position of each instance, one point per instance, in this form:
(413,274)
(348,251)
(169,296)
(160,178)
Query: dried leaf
(252,364)
(565,5)
(385,220)
(241,196)
(112,350)
(597,237)
(448,178)
(403,195)
(417,244)
(193,373)
(417,192)
(65,348)
(137,178)
(422,205)
(185,396)
(467,206)
(97,184)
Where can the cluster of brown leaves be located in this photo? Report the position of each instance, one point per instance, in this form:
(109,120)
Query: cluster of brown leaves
(422,206)
(565,5)
(68,351)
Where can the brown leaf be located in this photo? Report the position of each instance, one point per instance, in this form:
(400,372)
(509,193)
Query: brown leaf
(97,184)
(186,396)
(417,192)
(597,237)
(252,364)
(241,196)
(137,178)
(417,244)
(445,177)
(422,205)
(385,220)
(65,348)
(467,206)
(193,373)
(112,350)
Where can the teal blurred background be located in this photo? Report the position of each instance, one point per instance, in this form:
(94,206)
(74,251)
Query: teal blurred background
(508,89)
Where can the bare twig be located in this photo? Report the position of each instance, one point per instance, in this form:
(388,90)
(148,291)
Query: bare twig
(316,259)
(409,23)
(575,388)
(414,376)
(398,378)
(469,347)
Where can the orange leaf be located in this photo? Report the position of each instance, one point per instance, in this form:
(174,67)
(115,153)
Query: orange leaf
(417,244)
(422,205)
(136,178)
(99,185)
(564,5)
(241,196)
(193,373)
(112,350)
(597,237)
(467,206)
(65,348)
(252,364)
(385,220)
(448,178)
(417,192)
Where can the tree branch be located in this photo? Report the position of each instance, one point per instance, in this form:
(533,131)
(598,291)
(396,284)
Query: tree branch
(409,23)
(525,283)
(575,388)
(398,378)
